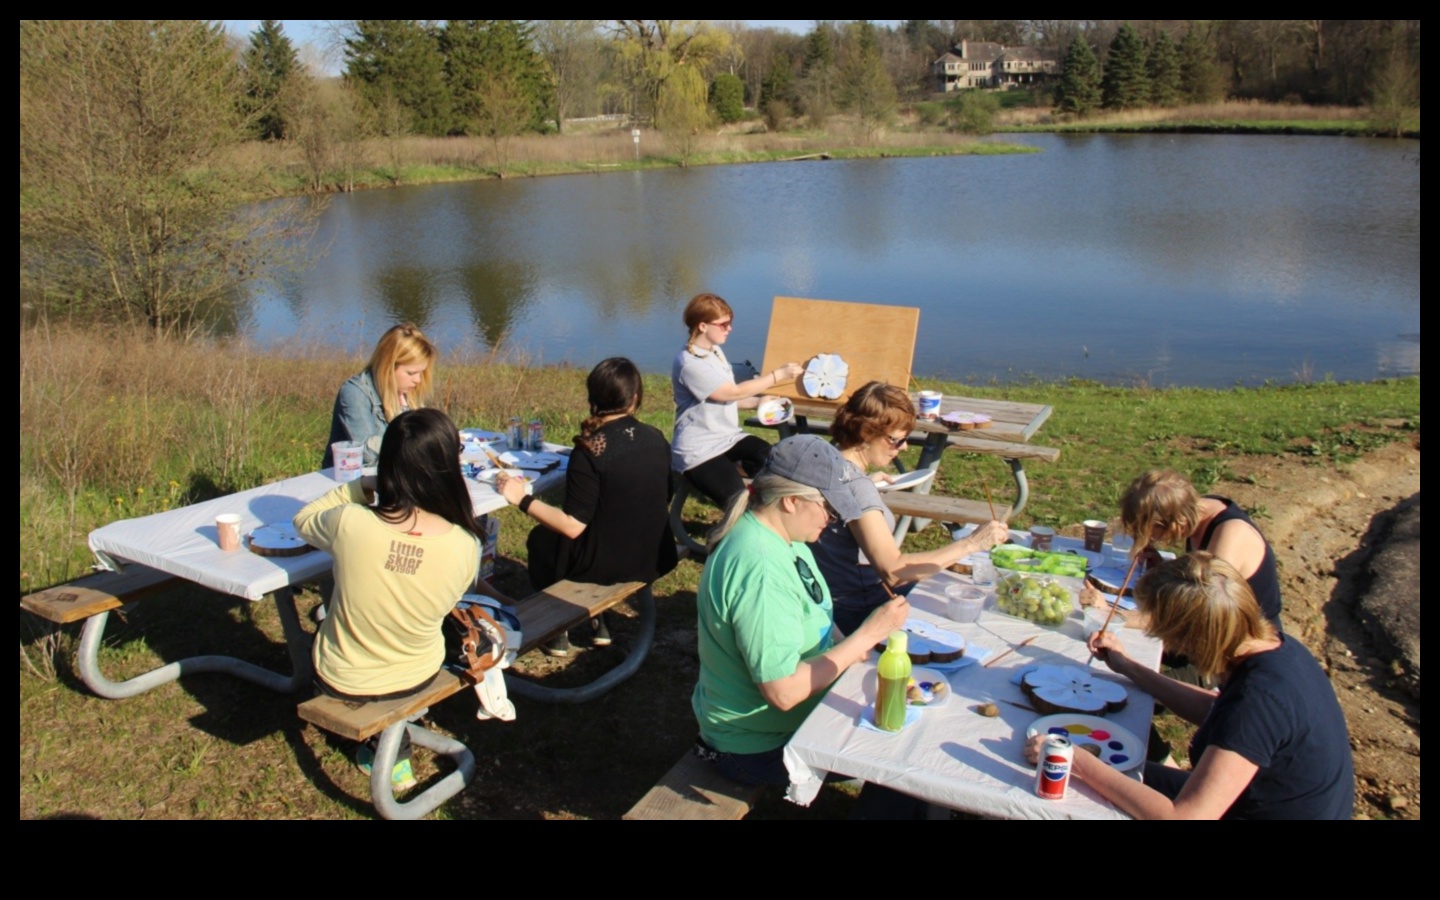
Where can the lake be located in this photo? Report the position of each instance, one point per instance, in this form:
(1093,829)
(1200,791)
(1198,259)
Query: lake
(1206,260)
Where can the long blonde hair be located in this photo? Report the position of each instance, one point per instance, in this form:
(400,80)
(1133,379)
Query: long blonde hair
(766,490)
(1201,606)
(1160,498)
(403,345)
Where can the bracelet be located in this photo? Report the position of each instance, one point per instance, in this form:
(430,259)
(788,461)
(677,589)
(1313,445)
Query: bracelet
(525,502)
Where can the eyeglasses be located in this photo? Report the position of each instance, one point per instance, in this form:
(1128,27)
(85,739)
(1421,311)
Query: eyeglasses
(897,443)
(831,516)
(728,324)
(807,578)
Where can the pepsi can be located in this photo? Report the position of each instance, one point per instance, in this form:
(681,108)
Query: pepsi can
(1052,771)
(535,436)
(515,435)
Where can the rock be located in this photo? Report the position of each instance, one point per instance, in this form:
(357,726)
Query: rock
(1396,802)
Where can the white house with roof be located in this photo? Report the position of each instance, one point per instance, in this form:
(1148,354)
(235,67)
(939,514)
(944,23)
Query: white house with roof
(984,64)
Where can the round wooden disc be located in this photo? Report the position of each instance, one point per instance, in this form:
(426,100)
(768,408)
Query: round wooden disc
(277,540)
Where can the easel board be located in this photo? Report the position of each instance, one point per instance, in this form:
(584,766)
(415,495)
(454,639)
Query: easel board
(877,341)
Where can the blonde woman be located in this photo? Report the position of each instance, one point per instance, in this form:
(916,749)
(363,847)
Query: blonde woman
(708,442)
(397,379)
(1271,744)
(768,646)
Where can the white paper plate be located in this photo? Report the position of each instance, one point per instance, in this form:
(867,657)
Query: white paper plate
(908,480)
(488,477)
(926,674)
(538,460)
(1119,748)
(480,434)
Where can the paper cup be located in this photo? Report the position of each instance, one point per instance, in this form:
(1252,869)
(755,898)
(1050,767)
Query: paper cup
(227,529)
(930,404)
(1041,537)
(964,602)
(349,459)
(1094,534)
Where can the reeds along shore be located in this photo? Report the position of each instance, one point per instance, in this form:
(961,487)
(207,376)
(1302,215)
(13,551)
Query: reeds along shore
(115,425)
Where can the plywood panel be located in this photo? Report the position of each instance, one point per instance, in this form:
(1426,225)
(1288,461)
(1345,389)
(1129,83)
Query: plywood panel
(877,341)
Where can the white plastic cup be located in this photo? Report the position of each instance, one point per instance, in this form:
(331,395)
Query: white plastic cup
(227,529)
(1120,546)
(964,602)
(1095,620)
(930,404)
(349,459)
(982,572)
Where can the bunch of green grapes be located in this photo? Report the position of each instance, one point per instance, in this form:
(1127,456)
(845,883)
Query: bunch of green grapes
(1040,600)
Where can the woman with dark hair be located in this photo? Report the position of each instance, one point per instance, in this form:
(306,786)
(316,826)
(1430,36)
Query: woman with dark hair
(709,442)
(614,525)
(1271,744)
(858,555)
(400,566)
(397,379)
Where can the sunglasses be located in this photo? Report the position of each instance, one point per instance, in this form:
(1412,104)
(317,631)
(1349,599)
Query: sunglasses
(728,324)
(897,443)
(807,578)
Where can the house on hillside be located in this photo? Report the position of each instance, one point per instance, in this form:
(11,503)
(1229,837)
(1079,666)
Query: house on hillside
(984,64)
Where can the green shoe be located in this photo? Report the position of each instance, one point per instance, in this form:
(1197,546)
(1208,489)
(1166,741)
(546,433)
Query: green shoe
(402,777)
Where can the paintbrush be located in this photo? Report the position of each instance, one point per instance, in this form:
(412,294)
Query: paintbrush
(990,500)
(1009,650)
(1114,606)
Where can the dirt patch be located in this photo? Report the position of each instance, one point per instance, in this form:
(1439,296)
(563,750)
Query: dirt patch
(1324,523)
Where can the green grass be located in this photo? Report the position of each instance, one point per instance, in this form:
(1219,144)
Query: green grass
(146,427)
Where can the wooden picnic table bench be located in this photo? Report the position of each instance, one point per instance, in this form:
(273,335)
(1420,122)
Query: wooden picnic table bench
(693,790)
(542,616)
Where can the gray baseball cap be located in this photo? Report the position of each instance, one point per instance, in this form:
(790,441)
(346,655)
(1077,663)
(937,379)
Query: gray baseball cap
(810,460)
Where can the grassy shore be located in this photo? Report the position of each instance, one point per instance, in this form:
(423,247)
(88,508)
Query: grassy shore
(1230,117)
(114,426)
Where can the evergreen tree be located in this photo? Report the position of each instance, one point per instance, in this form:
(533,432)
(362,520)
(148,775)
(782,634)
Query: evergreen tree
(817,75)
(1199,77)
(1078,90)
(492,66)
(727,97)
(1162,65)
(1125,85)
(399,60)
(269,63)
(866,88)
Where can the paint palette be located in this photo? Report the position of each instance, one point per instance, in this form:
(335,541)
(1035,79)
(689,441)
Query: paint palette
(1118,748)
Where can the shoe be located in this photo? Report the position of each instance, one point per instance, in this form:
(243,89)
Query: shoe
(599,632)
(402,777)
(558,647)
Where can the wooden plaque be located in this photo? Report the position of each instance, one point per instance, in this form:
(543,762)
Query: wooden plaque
(877,341)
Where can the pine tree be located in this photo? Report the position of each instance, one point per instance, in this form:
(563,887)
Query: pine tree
(865,86)
(399,61)
(1078,90)
(727,97)
(1125,85)
(1199,78)
(487,60)
(1162,65)
(269,61)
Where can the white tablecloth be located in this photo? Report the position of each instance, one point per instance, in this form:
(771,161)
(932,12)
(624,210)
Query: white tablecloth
(183,541)
(952,756)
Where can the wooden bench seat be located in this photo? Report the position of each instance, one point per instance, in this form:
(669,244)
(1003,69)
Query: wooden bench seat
(96,593)
(694,790)
(542,616)
(944,509)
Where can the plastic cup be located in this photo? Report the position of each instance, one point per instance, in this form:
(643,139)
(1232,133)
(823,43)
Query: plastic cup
(227,529)
(964,602)
(1095,620)
(349,459)
(982,572)
(930,404)
(1120,546)
(1094,534)
(1041,536)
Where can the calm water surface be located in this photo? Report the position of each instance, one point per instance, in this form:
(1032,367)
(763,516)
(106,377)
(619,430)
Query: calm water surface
(1192,260)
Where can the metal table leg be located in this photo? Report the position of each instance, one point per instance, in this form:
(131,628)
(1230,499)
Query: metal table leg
(1022,485)
(382,791)
(602,685)
(296,640)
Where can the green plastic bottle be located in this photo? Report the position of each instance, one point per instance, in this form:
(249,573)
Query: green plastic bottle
(894,679)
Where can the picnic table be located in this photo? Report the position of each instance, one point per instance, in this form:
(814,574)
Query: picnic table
(1012,425)
(183,543)
(952,756)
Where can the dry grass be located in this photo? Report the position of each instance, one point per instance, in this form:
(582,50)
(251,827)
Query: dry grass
(1227,111)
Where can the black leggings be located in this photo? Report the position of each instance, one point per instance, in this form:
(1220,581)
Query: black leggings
(717,479)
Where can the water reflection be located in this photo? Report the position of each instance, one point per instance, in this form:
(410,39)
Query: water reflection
(1177,259)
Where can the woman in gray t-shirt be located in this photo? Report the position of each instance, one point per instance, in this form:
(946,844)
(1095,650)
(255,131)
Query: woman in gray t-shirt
(858,557)
(708,442)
